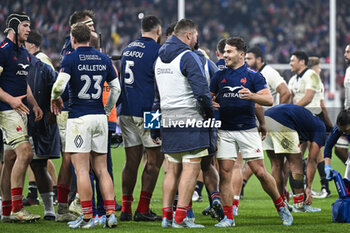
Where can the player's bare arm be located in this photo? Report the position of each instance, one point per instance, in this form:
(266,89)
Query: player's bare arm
(309,95)
(285,95)
(259,113)
(262,97)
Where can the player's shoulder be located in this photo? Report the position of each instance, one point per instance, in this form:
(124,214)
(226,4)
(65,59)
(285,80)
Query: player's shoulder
(4,45)
(252,71)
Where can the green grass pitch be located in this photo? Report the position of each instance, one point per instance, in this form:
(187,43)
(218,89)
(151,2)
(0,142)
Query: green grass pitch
(256,211)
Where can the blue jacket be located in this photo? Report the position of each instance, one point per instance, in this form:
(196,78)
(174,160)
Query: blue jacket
(45,133)
(185,139)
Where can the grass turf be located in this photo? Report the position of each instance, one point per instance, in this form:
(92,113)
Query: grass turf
(256,211)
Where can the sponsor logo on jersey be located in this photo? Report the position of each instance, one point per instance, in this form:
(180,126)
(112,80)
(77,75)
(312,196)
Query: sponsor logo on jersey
(89,57)
(24,66)
(244,80)
(233,92)
(137,44)
(223,80)
(15,58)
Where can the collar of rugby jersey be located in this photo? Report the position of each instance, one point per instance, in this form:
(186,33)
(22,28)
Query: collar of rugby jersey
(302,73)
(262,67)
(241,68)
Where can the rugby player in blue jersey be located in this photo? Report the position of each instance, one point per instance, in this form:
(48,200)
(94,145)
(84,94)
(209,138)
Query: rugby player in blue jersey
(14,91)
(137,83)
(220,54)
(237,88)
(341,129)
(86,70)
(286,124)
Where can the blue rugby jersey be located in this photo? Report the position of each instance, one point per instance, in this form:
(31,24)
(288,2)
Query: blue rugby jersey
(308,126)
(221,64)
(137,76)
(89,69)
(13,79)
(236,113)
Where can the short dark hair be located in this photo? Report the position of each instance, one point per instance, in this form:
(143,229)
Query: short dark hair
(78,16)
(150,23)
(185,25)
(301,55)
(343,117)
(237,42)
(257,53)
(221,46)
(170,29)
(81,32)
(34,38)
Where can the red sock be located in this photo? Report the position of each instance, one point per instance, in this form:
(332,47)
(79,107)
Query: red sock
(87,209)
(62,193)
(228,211)
(16,194)
(236,201)
(6,208)
(109,206)
(168,213)
(298,198)
(190,206)
(145,199)
(180,214)
(279,203)
(126,203)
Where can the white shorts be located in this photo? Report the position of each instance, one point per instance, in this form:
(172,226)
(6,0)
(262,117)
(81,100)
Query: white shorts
(342,143)
(248,142)
(87,133)
(185,157)
(133,132)
(280,138)
(62,125)
(14,128)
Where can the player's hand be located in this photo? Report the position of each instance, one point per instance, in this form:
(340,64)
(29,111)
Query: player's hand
(17,105)
(328,171)
(245,93)
(262,129)
(308,196)
(157,140)
(38,113)
(56,106)
(215,104)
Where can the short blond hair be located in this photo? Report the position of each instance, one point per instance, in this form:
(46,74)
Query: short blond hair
(313,61)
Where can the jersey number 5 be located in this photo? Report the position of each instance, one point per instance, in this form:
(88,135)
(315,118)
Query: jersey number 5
(128,70)
(83,92)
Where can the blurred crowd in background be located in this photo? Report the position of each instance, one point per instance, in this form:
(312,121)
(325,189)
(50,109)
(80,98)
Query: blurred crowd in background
(277,27)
